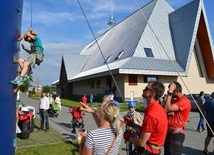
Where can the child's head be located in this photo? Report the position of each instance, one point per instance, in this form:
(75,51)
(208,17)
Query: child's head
(27,37)
(132,106)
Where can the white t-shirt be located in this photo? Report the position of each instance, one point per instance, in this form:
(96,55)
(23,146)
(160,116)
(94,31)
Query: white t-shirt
(57,100)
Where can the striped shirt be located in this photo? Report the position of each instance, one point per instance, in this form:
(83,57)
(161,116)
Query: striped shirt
(100,140)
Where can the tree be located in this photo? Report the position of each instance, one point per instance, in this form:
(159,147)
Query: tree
(47,89)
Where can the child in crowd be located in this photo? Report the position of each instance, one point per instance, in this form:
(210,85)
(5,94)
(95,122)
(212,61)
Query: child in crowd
(91,99)
(132,120)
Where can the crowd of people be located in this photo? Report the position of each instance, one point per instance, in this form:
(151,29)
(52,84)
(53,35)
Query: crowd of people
(163,125)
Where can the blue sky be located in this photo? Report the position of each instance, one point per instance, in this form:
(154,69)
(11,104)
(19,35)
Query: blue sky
(63,30)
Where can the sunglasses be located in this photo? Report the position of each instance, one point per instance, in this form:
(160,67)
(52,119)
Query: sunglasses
(148,89)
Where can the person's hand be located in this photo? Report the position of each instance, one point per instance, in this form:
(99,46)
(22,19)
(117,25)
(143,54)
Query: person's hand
(30,29)
(86,108)
(127,134)
(23,46)
(172,87)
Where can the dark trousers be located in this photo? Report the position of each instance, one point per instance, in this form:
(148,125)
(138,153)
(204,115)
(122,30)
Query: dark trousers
(44,119)
(173,144)
(142,151)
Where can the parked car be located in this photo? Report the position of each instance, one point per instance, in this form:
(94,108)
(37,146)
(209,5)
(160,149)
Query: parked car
(196,96)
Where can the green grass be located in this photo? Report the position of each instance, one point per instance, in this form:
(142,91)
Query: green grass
(75,102)
(63,148)
(41,143)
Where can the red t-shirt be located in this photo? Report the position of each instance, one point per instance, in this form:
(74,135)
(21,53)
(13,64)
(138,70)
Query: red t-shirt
(155,122)
(84,100)
(180,118)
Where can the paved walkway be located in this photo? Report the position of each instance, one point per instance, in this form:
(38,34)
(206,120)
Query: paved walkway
(193,144)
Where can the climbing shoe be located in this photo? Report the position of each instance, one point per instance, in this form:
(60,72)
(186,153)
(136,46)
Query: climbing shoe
(17,81)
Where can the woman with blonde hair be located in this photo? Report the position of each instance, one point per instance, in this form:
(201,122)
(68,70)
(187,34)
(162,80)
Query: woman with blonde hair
(106,139)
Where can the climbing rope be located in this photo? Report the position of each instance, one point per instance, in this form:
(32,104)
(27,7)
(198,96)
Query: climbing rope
(101,51)
(31,24)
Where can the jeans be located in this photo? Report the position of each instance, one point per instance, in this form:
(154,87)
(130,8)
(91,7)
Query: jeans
(201,123)
(173,144)
(44,119)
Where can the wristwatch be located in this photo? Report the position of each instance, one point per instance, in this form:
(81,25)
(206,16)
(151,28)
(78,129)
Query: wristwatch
(169,93)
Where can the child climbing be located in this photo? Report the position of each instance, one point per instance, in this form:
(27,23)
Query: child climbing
(35,56)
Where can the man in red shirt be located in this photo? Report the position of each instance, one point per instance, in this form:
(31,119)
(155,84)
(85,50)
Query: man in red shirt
(178,108)
(154,128)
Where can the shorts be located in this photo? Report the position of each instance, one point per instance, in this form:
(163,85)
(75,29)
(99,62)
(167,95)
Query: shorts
(209,133)
(29,58)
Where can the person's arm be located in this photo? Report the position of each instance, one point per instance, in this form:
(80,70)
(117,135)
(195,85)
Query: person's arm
(141,141)
(90,110)
(83,149)
(26,50)
(86,151)
(169,107)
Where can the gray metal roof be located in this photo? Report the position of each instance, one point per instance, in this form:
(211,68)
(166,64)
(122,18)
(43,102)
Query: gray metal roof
(156,35)
(152,64)
(184,23)
(74,64)
(122,37)
(169,34)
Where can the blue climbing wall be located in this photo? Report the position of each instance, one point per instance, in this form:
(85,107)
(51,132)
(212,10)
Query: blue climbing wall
(10,29)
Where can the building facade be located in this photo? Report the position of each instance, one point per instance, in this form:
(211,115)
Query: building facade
(164,44)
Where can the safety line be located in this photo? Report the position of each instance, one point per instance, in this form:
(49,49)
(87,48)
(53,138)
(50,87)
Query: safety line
(101,51)
(172,64)
(31,15)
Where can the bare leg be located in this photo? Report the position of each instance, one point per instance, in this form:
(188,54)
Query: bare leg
(24,69)
(21,63)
